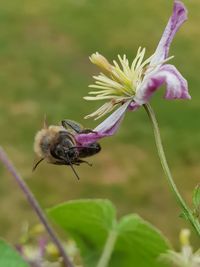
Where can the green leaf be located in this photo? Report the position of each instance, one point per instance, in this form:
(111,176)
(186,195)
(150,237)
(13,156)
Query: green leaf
(138,244)
(184,215)
(9,257)
(89,222)
(196,197)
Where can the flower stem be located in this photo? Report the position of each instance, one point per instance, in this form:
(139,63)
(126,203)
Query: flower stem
(108,249)
(36,207)
(186,210)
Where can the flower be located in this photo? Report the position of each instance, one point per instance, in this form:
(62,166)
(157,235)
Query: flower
(185,258)
(136,82)
(130,85)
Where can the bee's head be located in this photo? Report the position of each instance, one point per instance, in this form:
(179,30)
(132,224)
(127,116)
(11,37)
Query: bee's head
(44,138)
(63,148)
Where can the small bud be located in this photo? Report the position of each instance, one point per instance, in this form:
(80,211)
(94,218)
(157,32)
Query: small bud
(37,230)
(185,237)
(52,252)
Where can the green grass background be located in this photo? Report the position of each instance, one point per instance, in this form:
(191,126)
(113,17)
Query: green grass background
(44,49)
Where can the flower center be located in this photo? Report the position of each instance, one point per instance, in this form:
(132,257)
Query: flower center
(119,80)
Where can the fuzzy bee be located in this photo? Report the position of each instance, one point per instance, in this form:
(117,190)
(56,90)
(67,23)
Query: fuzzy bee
(57,145)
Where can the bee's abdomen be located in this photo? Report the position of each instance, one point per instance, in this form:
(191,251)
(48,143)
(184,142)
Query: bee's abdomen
(89,150)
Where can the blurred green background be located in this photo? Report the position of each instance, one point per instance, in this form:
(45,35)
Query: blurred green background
(44,50)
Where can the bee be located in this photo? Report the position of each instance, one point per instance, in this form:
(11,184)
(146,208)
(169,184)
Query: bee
(57,145)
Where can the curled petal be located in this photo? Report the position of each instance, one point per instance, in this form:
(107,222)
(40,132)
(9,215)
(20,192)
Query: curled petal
(107,128)
(177,86)
(179,15)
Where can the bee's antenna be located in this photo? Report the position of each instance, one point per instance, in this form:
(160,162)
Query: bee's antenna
(74,171)
(37,163)
(45,124)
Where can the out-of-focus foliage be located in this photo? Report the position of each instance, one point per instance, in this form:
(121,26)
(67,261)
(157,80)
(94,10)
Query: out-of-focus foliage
(9,257)
(37,249)
(92,222)
(187,257)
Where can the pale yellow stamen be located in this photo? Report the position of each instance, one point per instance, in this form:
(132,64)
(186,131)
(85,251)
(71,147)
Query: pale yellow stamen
(101,62)
(119,82)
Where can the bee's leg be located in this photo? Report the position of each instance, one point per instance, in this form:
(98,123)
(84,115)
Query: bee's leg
(76,174)
(72,124)
(83,161)
(60,163)
(88,131)
(76,163)
(72,167)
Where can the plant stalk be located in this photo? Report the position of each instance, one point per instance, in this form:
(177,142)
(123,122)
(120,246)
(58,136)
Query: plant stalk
(108,249)
(36,207)
(189,214)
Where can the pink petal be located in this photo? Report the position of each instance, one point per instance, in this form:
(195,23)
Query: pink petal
(133,106)
(179,15)
(107,128)
(177,86)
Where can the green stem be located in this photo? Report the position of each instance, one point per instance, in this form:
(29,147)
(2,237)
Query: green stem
(194,222)
(108,249)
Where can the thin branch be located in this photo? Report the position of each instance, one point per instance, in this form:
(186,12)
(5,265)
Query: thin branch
(36,207)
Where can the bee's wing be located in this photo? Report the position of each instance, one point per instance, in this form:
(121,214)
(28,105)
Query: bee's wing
(78,128)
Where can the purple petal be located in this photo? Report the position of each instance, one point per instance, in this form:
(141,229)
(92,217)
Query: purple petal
(133,106)
(107,128)
(19,248)
(179,15)
(177,86)
(42,243)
